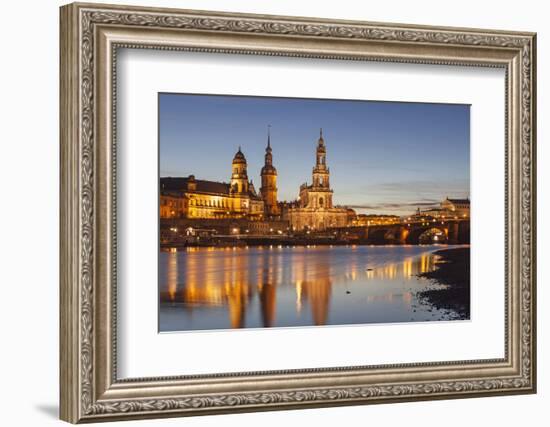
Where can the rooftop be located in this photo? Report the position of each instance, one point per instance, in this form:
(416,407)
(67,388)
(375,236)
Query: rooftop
(177,185)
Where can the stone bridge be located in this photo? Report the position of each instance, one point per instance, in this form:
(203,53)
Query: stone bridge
(428,231)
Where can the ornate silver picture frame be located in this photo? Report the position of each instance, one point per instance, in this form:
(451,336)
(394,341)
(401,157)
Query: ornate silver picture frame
(91,390)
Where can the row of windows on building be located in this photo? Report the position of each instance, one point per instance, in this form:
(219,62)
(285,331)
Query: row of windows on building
(175,202)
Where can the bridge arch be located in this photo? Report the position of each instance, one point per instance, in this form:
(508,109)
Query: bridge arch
(389,234)
(428,235)
(378,236)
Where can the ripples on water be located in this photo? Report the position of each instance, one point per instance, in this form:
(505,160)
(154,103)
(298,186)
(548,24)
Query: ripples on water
(221,288)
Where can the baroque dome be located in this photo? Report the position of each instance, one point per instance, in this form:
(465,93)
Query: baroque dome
(239,157)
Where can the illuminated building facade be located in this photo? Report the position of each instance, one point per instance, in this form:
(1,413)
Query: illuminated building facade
(190,198)
(448,209)
(315,209)
(458,207)
(363,220)
(193,198)
(171,206)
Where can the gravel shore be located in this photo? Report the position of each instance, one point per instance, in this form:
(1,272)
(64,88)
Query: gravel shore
(452,271)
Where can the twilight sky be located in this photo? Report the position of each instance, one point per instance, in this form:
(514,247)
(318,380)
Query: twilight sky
(384,157)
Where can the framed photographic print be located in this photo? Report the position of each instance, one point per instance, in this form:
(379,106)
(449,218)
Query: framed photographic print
(266,212)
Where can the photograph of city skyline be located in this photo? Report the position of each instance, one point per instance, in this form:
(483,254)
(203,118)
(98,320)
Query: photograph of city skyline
(290,212)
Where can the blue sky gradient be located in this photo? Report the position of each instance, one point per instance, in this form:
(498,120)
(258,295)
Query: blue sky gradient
(384,157)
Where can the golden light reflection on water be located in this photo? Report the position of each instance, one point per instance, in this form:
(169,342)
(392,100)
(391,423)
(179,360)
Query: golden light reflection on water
(172,273)
(232,278)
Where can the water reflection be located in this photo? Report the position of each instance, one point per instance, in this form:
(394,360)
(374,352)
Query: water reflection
(217,288)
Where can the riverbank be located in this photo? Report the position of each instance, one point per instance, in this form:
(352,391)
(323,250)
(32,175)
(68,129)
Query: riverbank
(453,272)
(228,241)
(275,242)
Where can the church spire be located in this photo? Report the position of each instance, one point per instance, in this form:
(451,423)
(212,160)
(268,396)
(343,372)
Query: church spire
(321,140)
(268,190)
(321,150)
(321,171)
(268,150)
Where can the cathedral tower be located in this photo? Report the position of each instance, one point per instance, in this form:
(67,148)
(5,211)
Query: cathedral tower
(269,181)
(321,175)
(320,172)
(239,176)
(315,211)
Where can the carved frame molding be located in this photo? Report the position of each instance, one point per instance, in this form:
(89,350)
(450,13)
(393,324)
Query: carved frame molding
(90,37)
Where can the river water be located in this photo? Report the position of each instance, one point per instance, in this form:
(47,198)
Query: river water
(224,288)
